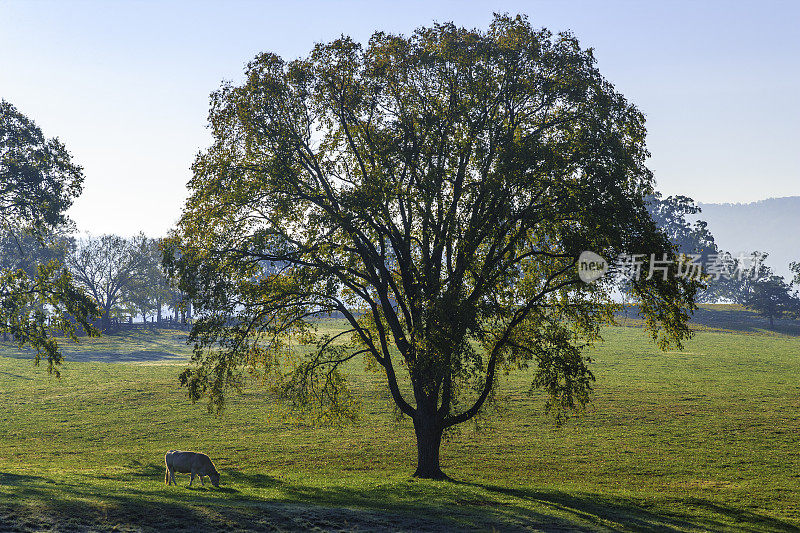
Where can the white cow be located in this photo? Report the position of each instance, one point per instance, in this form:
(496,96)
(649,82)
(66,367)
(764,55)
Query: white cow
(196,464)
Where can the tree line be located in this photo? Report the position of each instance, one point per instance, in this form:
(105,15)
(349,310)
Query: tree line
(124,277)
(127,280)
(744,280)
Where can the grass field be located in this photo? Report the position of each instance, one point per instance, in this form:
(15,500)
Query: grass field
(704,439)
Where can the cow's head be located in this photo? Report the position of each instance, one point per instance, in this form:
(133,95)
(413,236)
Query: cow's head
(214,477)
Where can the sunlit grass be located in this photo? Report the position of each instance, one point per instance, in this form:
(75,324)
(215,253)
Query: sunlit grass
(704,439)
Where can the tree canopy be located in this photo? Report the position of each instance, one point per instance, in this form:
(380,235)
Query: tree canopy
(763,291)
(670,214)
(38,182)
(153,289)
(113,270)
(434,190)
(25,247)
(771,297)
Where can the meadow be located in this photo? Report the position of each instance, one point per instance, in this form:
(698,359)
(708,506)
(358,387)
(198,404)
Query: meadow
(707,439)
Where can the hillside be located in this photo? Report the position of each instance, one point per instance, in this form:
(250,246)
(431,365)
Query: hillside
(768,225)
(699,440)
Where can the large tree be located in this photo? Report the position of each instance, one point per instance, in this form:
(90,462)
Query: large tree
(436,191)
(110,268)
(38,182)
(771,297)
(764,292)
(692,240)
(670,215)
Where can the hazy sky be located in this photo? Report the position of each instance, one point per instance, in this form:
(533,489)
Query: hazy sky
(125,85)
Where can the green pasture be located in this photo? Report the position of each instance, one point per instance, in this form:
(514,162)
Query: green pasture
(704,439)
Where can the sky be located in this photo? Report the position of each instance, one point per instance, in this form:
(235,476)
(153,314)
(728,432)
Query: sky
(125,85)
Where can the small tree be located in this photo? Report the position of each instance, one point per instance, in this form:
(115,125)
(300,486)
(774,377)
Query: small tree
(151,291)
(794,267)
(771,297)
(160,283)
(38,182)
(436,191)
(754,285)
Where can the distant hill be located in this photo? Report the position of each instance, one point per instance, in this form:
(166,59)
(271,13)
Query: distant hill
(721,317)
(771,225)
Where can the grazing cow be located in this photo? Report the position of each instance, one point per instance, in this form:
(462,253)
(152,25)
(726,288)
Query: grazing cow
(196,464)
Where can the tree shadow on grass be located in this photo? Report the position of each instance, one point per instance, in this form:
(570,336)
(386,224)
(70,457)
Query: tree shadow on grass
(149,470)
(17,376)
(492,507)
(146,346)
(262,481)
(104,356)
(613,513)
(408,506)
(132,356)
(163,509)
(18,479)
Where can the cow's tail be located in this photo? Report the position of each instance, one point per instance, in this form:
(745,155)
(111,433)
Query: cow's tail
(166,470)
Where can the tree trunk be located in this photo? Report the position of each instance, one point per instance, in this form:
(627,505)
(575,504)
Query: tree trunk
(429,440)
(106,321)
(771,322)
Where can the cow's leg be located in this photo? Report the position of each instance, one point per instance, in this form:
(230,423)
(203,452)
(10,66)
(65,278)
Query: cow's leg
(203,483)
(191,478)
(172,477)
